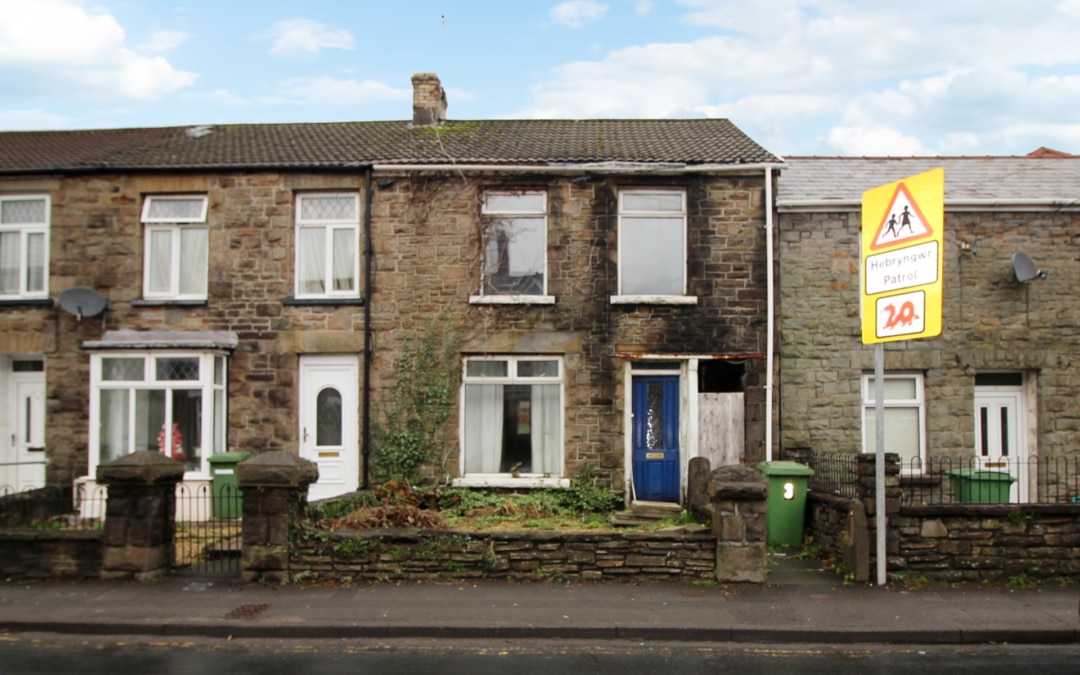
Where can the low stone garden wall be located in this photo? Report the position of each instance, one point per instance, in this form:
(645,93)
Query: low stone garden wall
(444,554)
(50,554)
(1006,542)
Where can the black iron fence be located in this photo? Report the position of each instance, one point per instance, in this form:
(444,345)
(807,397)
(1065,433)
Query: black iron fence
(208,528)
(53,507)
(834,473)
(976,480)
(961,480)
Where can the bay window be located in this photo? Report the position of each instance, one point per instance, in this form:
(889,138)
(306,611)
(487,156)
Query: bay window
(172,403)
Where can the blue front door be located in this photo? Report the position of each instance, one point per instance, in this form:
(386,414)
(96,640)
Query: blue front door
(656,438)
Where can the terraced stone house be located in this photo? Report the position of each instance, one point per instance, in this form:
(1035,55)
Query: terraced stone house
(997,390)
(258,282)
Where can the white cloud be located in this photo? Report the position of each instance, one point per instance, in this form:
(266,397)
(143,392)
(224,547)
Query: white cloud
(50,45)
(327,90)
(643,7)
(305,37)
(872,141)
(164,41)
(846,75)
(31,120)
(576,13)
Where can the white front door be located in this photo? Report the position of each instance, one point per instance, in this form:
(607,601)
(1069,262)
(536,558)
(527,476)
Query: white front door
(1001,436)
(329,422)
(25,462)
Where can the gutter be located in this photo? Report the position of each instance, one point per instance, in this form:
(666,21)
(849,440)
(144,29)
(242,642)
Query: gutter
(770,231)
(659,168)
(368,256)
(834,205)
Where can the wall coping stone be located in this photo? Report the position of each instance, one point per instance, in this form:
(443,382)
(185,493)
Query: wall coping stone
(737,481)
(276,469)
(143,467)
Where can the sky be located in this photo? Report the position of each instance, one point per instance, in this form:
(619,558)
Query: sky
(800,77)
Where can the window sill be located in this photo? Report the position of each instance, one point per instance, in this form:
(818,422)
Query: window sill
(328,302)
(512,299)
(26,302)
(169,303)
(654,299)
(505,480)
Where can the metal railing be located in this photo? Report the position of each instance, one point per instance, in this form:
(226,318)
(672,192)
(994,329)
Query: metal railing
(960,480)
(208,528)
(53,507)
(834,473)
(974,480)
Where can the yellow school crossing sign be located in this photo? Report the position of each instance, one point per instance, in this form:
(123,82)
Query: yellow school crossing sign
(903,224)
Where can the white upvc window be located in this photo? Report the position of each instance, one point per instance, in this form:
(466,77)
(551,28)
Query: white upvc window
(652,247)
(515,248)
(24,247)
(176,247)
(905,418)
(327,245)
(169,402)
(512,421)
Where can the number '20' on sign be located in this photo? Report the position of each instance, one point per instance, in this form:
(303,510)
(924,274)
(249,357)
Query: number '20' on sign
(901,314)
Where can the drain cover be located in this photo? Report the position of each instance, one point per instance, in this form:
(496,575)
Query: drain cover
(247,611)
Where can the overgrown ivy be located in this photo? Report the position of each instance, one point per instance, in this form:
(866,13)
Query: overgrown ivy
(418,403)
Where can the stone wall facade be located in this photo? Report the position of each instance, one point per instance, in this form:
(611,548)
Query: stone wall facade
(992,323)
(427,253)
(540,556)
(50,554)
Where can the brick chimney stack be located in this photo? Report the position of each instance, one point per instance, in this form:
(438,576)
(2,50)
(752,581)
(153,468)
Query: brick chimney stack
(429,100)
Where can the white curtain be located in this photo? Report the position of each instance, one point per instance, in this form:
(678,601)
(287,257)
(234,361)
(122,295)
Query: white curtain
(483,427)
(344,259)
(159,258)
(114,424)
(35,261)
(193,254)
(9,262)
(312,260)
(546,429)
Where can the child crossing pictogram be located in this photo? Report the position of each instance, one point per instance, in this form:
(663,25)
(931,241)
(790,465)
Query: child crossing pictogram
(903,222)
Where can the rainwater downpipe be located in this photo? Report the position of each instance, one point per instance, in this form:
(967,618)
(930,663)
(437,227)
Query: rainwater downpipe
(770,301)
(366,413)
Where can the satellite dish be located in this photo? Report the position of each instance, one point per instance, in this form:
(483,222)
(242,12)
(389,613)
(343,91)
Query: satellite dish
(82,302)
(1025,270)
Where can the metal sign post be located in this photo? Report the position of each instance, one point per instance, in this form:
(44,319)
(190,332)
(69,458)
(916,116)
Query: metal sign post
(900,277)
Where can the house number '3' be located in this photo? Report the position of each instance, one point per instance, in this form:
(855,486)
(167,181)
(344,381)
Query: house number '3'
(789,491)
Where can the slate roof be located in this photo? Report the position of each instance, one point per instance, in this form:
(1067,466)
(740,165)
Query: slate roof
(354,144)
(968,180)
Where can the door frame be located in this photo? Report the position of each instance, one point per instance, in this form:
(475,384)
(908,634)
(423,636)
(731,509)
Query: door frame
(687,417)
(1018,399)
(20,476)
(315,372)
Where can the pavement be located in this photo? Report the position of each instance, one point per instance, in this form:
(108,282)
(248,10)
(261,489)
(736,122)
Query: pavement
(801,603)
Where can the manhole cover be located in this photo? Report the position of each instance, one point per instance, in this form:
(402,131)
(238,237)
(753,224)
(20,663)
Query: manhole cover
(247,611)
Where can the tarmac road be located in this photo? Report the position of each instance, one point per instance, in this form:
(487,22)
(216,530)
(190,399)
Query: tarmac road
(31,654)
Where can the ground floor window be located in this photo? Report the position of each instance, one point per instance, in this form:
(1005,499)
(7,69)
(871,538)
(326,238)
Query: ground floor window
(172,403)
(513,416)
(905,418)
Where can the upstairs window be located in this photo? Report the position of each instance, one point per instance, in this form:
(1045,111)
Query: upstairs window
(515,244)
(327,245)
(652,243)
(24,247)
(177,247)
